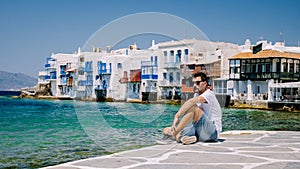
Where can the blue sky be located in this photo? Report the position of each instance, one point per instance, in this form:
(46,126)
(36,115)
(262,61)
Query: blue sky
(31,30)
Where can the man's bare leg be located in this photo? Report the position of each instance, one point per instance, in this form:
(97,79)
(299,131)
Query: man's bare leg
(192,115)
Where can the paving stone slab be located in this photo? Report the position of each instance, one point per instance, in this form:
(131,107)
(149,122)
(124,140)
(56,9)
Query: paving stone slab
(276,155)
(108,162)
(284,165)
(202,147)
(200,157)
(147,153)
(240,149)
(192,166)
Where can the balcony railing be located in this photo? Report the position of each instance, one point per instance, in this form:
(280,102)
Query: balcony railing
(168,83)
(264,76)
(104,71)
(149,76)
(47,77)
(87,69)
(172,65)
(47,65)
(85,83)
(148,63)
(42,73)
(151,89)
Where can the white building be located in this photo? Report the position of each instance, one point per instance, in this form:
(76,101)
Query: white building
(161,72)
(257,74)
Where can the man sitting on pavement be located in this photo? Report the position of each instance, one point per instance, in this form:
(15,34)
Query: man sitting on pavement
(201,116)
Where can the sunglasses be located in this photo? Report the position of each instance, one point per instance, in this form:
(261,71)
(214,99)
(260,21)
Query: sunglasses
(197,82)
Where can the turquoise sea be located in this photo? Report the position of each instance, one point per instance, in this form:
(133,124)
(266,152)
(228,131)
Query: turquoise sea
(38,133)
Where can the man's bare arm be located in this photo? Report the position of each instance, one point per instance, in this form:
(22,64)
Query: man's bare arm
(188,104)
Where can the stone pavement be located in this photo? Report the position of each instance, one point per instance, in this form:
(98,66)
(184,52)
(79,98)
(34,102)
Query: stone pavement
(239,149)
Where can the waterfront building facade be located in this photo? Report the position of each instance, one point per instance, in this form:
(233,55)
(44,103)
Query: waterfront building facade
(257,75)
(162,72)
(58,75)
(123,62)
(210,58)
(82,74)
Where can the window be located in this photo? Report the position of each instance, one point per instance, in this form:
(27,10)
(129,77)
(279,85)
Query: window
(80,71)
(134,87)
(232,63)
(234,70)
(69,65)
(88,65)
(291,68)
(165,56)
(119,65)
(154,70)
(259,68)
(172,53)
(178,77)
(247,68)
(253,68)
(81,59)
(237,62)
(278,65)
(165,53)
(263,68)
(220,86)
(165,76)
(284,66)
(178,56)
(171,77)
(231,70)
(268,68)
(243,69)
(186,51)
(172,56)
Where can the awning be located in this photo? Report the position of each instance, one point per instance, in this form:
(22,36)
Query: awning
(71,70)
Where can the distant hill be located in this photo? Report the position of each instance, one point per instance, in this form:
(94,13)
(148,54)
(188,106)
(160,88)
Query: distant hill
(15,81)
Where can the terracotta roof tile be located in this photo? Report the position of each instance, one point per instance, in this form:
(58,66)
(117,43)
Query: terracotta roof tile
(266,54)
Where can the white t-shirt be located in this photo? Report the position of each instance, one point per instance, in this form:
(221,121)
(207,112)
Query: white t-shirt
(212,109)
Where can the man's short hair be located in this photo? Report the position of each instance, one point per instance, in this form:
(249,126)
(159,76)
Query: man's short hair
(202,75)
